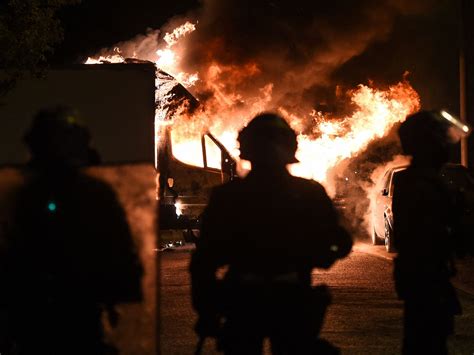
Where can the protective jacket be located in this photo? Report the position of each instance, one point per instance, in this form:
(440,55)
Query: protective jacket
(270,229)
(424,217)
(70,255)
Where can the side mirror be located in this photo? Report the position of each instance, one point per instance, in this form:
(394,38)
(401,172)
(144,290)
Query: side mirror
(384,192)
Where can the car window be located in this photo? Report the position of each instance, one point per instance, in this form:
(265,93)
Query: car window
(213,154)
(395,173)
(386,180)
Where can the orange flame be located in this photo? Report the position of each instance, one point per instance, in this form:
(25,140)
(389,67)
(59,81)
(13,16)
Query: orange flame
(227,111)
(115,58)
(377,111)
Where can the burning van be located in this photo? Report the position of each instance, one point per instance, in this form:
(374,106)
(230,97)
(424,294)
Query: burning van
(184,184)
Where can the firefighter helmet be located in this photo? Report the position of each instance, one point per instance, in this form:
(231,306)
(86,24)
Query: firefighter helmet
(57,135)
(428,135)
(430,132)
(268,138)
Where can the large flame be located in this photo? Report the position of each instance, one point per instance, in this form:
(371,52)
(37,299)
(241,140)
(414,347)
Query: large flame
(328,141)
(377,111)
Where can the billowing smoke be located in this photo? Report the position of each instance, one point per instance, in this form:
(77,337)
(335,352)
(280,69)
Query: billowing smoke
(242,57)
(247,56)
(246,49)
(358,181)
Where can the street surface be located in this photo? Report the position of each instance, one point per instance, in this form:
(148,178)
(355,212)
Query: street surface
(365,317)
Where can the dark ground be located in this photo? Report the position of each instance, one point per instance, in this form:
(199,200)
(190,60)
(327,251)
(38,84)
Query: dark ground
(365,317)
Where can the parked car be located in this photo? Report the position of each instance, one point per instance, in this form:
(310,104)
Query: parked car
(457,179)
(382,218)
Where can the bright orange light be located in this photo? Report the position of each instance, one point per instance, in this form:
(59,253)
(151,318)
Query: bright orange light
(115,58)
(328,142)
(166,58)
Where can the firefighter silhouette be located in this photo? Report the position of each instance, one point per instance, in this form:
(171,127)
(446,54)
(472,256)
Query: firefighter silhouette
(424,232)
(70,254)
(270,230)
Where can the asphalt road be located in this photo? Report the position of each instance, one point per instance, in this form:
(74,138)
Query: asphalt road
(365,317)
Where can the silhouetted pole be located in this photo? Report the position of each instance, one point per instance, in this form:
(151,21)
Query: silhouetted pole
(462,82)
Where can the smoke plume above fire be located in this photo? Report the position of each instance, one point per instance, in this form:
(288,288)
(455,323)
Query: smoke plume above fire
(241,47)
(239,58)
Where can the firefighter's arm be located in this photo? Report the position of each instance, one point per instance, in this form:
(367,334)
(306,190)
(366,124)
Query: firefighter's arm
(336,242)
(407,211)
(205,260)
(204,296)
(119,274)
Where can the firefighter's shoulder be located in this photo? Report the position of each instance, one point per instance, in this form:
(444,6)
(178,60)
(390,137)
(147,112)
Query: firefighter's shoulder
(96,183)
(308,185)
(411,181)
(92,186)
(229,188)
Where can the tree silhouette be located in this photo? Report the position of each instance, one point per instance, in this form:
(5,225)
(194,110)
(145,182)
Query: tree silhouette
(29,30)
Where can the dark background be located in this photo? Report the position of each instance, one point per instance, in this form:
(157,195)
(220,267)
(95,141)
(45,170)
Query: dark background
(95,24)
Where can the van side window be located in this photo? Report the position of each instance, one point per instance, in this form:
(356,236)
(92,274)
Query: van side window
(188,151)
(213,154)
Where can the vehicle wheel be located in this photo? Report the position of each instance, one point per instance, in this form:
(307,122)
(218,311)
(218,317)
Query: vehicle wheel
(375,238)
(388,237)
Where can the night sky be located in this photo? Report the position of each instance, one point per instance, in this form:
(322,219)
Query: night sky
(95,24)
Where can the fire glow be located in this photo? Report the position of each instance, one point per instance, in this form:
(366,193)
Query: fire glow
(377,111)
(328,142)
